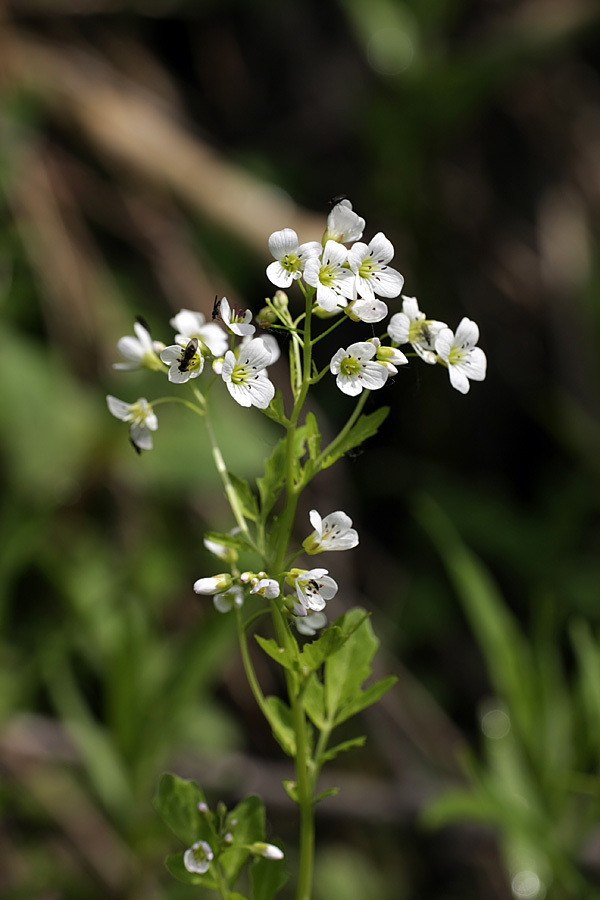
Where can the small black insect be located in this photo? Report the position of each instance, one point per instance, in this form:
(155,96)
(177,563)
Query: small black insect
(216,308)
(141,321)
(337,199)
(188,355)
(137,449)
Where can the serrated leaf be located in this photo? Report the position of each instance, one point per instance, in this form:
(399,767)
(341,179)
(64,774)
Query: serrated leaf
(314,654)
(291,789)
(279,654)
(249,818)
(366,426)
(280,719)
(313,699)
(330,792)
(176,802)
(347,669)
(366,698)
(177,869)
(343,747)
(245,496)
(267,877)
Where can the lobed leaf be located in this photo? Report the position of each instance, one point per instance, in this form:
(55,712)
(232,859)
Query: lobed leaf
(314,654)
(176,802)
(347,669)
(342,748)
(282,656)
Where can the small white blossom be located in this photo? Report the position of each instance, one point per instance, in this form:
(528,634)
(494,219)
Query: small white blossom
(234,320)
(343,224)
(216,584)
(290,257)
(269,851)
(142,417)
(334,532)
(139,351)
(245,377)
(333,281)
(355,370)
(189,324)
(390,357)
(266,587)
(370,311)
(308,623)
(458,351)
(228,600)
(314,587)
(369,263)
(412,327)
(184,361)
(198,857)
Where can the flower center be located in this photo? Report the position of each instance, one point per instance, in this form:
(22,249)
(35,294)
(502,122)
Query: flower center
(291,263)
(350,366)
(366,268)
(327,276)
(456,355)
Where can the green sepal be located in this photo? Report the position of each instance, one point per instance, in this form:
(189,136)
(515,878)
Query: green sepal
(366,426)
(176,868)
(176,802)
(313,698)
(267,877)
(282,656)
(330,792)
(249,816)
(246,499)
(291,789)
(342,748)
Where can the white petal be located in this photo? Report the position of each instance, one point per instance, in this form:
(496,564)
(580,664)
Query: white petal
(356,254)
(477,364)
(362,350)
(387,282)
(171,354)
(140,436)
(349,385)
(467,333)
(334,254)
(316,521)
(119,408)
(398,328)
(130,348)
(370,311)
(261,391)
(374,376)
(279,276)
(380,248)
(444,342)
(410,308)
(458,379)
(256,354)
(187,322)
(283,242)
(240,393)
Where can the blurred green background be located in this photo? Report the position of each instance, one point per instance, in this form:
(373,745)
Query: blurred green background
(147,151)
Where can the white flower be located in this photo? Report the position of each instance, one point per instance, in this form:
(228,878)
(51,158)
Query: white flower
(216,584)
(198,857)
(355,371)
(464,360)
(234,320)
(245,377)
(228,600)
(334,532)
(369,311)
(290,257)
(142,417)
(343,224)
(189,324)
(269,851)
(370,266)
(270,342)
(314,587)
(140,351)
(184,361)
(412,327)
(308,624)
(266,587)
(334,283)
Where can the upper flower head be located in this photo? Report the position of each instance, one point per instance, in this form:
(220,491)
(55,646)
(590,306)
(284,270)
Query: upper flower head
(142,417)
(334,532)
(334,282)
(234,320)
(189,324)
(314,587)
(245,377)
(290,257)
(343,224)
(140,351)
(184,361)
(355,370)
(464,360)
(198,857)
(369,263)
(411,327)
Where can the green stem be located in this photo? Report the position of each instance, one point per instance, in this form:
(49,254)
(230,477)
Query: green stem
(221,882)
(248,667)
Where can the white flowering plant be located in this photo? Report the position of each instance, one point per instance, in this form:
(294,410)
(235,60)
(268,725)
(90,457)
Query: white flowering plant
(324,667)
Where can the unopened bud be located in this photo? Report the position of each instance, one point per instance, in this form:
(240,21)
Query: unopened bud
(214,585)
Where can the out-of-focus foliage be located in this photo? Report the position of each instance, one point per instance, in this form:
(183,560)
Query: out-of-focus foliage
(147,151)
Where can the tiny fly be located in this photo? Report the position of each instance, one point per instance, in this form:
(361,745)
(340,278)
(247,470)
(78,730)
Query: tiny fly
(337,199)
(188,355)
(216,308)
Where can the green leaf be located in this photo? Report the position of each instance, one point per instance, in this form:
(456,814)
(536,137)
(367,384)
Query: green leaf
(275,409)
(176,802)
(347,669)
(249,816)
(314,654)
(177,869)
(282,656)
(343,747)
(271,484)
(245,496)
(330,792)
(280,719)
(313,698)
(365,427)
(313,436)
(366,698)
(267,877)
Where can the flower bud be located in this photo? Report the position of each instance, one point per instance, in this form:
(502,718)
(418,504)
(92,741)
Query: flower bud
(268,851)
(222,551)
(214,585)
(266,317)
